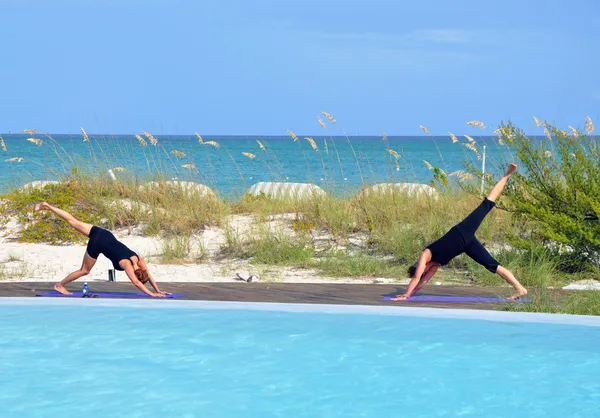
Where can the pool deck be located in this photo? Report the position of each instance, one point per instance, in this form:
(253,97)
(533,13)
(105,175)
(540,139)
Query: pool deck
(311,293)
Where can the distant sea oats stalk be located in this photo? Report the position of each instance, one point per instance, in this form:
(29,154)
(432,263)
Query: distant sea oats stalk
(471,140)
(178,153)
(589,125)
(476,123)
(212,144)
(325,146)
(321,123)
(249,155)
(30,131)
(393,153)
(462,175)
(574,132)
(86,138)
(152,140)
(293,135)
(141,140)
(119,169)
(547,133)
(472,147)
(189,166)
(14,160)
(384,137)
(312,142)
(537,122)
(328,116)
(429,166)
(453,137)
(2,144)
(260,145)
(35,141)
(200,140)
(424,129)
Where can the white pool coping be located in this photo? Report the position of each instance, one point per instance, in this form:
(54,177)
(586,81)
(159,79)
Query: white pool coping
(485,315)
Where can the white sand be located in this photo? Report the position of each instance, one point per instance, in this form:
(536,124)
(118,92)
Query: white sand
(42,262)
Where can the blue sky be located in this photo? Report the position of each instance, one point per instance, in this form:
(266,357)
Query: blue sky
(262,66)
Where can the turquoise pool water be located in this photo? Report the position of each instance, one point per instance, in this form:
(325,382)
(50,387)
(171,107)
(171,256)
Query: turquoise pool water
(98,361)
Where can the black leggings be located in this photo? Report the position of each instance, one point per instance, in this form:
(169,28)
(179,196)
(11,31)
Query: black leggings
(467,229)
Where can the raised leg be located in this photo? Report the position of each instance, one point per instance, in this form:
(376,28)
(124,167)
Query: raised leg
(79,226)
(499,187)
(86,267)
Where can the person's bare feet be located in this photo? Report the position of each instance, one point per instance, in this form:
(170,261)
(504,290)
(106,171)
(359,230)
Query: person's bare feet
(40,206)
(61,289)
(518,295)
(511,169)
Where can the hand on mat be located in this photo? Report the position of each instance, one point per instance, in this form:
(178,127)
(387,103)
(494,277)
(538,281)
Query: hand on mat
(163,293)
(400,297)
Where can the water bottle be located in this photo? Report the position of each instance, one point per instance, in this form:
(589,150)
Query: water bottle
(85,290)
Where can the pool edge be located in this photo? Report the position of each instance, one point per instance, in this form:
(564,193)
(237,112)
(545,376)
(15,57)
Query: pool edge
(498,316)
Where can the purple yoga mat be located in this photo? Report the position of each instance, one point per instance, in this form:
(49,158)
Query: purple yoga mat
(109,295)
(457,299)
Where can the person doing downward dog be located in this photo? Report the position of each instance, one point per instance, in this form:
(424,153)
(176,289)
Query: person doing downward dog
(104,242)
(461,239)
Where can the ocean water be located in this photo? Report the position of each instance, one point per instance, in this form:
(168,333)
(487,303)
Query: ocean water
(340,164)
(93,361)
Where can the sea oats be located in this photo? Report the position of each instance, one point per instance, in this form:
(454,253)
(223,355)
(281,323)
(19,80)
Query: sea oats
(471,140)
(30,131)
(178,153)
(325,146)
(547,133)
(397,165)
(119,169)
(328,116)
(249,155)
(548,154)
(429,166)
(472,148)
(212,144)
(189,166)
(312,142)
(321,123)
(384,136)
(454,138)
(293,135)
(574,132)
(2,144)
(14,160)
(200,140)
(86,138)
(141,140)
(394,153)
(589,125)
(261,146)
(152,140)
(537,122)
(35,141)
(476,123)
(424,129)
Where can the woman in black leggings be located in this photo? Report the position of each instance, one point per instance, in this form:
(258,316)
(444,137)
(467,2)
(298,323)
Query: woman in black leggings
(104,242)
(461,239)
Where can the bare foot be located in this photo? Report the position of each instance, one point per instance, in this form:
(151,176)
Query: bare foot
(511,169)
(519,294)
(61,289)
(40,206)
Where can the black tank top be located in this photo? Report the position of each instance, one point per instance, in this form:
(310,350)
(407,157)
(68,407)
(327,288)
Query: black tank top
(104,242)
(447,247)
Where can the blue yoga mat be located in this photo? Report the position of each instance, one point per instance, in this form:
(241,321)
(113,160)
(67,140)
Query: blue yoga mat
(109,295)
(457,299)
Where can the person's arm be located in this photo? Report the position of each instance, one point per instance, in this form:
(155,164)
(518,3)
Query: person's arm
(426,277)
(131,274)
(144,266)
(421,264)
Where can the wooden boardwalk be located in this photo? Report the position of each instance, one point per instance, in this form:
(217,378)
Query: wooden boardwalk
(347,294)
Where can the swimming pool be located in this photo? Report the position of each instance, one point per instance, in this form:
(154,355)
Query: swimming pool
(95,358)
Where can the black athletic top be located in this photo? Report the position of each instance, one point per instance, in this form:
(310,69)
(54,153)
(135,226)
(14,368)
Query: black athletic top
(447,247)
(104,242)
